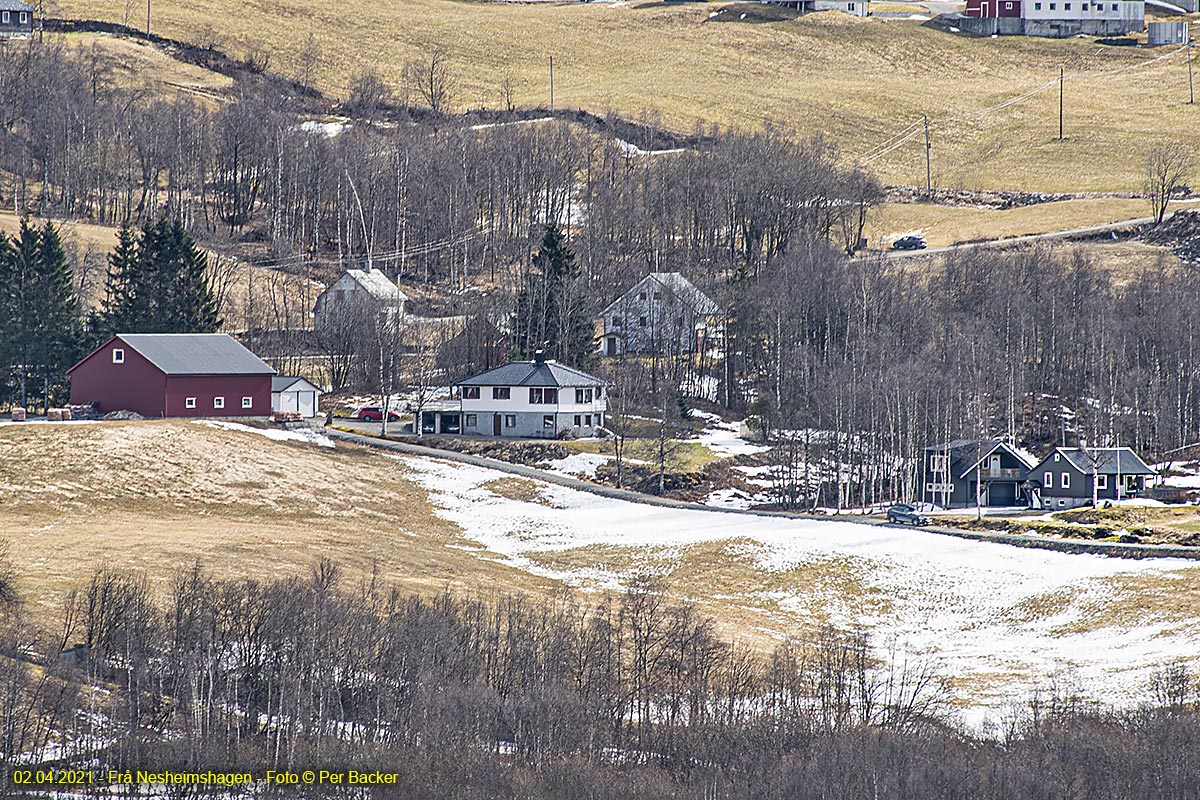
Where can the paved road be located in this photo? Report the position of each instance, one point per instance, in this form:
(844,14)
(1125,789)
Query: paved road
(1013,241)
(1114,549)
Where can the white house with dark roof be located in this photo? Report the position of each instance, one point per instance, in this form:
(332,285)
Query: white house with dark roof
(532,399)
(662,313)
(359,291)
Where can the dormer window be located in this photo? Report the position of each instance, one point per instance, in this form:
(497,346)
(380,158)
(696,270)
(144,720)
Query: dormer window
(118,355)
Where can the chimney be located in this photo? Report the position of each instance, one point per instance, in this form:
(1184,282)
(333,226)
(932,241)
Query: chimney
(539,356)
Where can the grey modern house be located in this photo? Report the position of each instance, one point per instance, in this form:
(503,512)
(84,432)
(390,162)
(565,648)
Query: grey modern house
(960,473)
(532,399)
(1065,477)
(663,313)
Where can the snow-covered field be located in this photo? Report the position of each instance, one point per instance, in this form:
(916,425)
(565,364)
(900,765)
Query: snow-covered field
(1001,621)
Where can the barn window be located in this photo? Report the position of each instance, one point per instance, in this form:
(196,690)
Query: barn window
(1008,6)
(1101,481)
(472,420)
(247,402)
(189,402)
(218,402)
(470,393)
(501,392)
(118,355)
(1065,482)
(547,420)
(510,420)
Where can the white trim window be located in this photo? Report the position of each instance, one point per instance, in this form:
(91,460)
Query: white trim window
(219,402)
(548,421)
(118,355)
(247,402)
(5,17)
(24,17)
(510,420)
(1101,481)
(1065,480)
(189,402)
(583,396)
(501,392)
(1049,482)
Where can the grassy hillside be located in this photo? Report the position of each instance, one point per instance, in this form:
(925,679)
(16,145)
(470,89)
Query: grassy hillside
(858,81)
(160,496)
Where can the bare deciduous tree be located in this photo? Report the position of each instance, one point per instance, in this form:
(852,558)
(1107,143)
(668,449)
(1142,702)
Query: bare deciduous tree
(1167,168)
(430,78)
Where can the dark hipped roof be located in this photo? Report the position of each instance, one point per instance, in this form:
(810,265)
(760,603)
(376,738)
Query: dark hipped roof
(196,353)
(1109,460)
(281,383)
(531,373)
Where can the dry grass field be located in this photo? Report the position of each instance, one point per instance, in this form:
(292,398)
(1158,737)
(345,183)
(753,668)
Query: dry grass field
(857,81)
(160,496)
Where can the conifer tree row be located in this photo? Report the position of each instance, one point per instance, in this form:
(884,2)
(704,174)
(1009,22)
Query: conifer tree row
(156,283)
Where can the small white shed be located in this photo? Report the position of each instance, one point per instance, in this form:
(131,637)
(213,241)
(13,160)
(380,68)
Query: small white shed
(294,394)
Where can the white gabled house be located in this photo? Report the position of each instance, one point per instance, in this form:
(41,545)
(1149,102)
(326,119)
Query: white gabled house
(359,290)
(532,399)
(293,393)
(663,312)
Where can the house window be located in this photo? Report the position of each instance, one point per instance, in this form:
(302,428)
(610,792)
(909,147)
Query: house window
(218,402)
(1057,456)
(587,420)
(578,420)
(939,463)
(642,321)
(24,17)
(1049,482)
(641,295)
(1114,6)
(1052,6)
(1037,6)
(470,393)
(118,355)
(599,420)
(501,393)
(472,420)
(510,420)
(548,421)
(189,402)
(1066,6)
(247,402)
(540,396)
(1101,481)
(618,322)
(4,17)
(658,295)
(583,395)
(1065,480)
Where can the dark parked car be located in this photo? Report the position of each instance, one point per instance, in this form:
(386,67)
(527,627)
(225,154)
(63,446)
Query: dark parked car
(906,514)
(909,243)
(375,414)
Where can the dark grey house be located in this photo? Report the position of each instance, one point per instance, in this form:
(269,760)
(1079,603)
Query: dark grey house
(664,312)
(16,19)
(1064,478)
(954,474)
(534,399)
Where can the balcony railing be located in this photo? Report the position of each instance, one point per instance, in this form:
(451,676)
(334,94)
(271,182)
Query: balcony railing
(992,474)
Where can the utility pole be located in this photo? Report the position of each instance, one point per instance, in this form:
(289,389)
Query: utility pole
(1191,91)
(551,84)
(928,168)
(1061,81)
(147,17)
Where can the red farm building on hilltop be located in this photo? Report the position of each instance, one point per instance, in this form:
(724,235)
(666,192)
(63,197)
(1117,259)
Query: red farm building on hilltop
(173,375)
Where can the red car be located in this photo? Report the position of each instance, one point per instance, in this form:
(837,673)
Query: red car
(375,414)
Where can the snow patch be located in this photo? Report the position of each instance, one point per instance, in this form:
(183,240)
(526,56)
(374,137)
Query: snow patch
(278,434)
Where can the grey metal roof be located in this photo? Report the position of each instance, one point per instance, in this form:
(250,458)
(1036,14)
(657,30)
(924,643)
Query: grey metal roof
(377,284)
(677,285)
(196,353)
(15,5)
(281,383)
(1109,460)
(531,373)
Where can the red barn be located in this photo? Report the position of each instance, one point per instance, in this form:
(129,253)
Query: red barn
(174,375)
(991,9)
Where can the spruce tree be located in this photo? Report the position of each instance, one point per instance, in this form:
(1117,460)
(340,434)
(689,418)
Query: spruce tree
(120,285)
(551,312)
(8,315)
(56,334)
